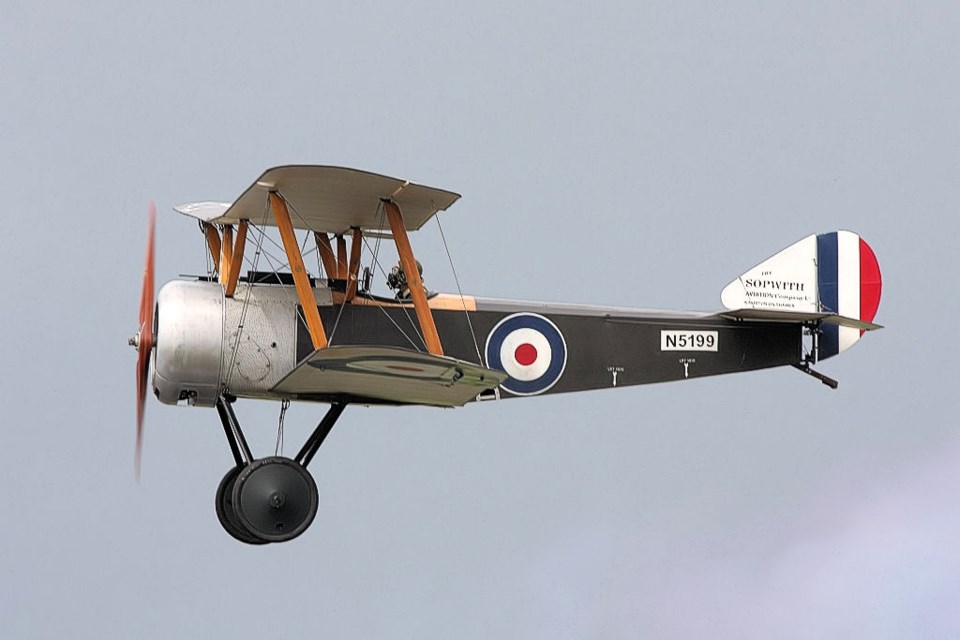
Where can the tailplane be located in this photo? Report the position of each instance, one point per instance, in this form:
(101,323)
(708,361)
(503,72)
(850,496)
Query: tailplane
(834,276)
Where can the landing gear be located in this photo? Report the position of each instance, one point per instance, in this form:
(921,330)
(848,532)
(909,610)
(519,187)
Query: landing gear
(271,499)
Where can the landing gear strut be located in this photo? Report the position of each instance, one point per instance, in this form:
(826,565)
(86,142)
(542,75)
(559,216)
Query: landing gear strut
(271,499)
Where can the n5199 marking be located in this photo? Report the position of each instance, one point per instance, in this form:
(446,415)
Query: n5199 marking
(671,340)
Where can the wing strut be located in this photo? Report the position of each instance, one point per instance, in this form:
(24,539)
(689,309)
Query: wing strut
(341,257)
(213,243)
(354,268)
(227,255)
(409,264)
(326,254)
(310,312)
(226,252)
(236,260)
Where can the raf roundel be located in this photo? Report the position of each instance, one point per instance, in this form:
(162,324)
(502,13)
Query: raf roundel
(530,349)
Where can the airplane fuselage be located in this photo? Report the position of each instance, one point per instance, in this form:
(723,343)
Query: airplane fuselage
(247,344)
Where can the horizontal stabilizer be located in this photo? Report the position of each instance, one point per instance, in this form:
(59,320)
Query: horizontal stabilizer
(388,374)
(800,316)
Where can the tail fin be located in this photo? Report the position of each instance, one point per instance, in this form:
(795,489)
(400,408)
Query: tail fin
(835,273)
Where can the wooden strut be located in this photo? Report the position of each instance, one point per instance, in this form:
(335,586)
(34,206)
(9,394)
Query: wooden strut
(236,264)
(326,254)
(341,257)
(417,292)
(226,252)
(354,263)
(213,244)
(310,312)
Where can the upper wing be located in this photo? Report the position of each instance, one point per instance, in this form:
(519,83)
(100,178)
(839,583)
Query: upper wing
(327,199)
(388,374)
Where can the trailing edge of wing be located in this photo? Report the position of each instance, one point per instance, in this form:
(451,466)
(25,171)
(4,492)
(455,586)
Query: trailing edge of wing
(388,374)
(769,315)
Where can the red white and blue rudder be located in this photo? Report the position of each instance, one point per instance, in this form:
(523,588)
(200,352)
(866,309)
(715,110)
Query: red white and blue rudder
(834,273)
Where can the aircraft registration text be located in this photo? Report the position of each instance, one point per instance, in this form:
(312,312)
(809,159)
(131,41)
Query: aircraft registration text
(672,340)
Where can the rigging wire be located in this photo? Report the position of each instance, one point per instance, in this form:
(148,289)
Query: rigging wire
(246,305)
(459,290)
(206,248)
(273,261)
(276,270)
(381,219)
(280,247)
(381,216)
(261,235)
(277,258)
(394,322)
(406,312)
(343,303)
(284,405)
(306,238)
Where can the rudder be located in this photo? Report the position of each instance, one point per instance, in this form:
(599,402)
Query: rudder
(834,272)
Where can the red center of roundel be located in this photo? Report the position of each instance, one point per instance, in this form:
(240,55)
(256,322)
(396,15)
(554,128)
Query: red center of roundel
(525,354)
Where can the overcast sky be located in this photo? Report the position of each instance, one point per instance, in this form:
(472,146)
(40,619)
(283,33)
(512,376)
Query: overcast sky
(639,154)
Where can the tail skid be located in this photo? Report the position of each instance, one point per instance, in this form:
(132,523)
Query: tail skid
(827,380)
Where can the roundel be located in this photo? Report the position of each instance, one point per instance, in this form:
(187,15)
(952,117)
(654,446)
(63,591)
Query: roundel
(530,349)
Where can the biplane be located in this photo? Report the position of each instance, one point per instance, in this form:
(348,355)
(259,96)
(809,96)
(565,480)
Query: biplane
(289,333)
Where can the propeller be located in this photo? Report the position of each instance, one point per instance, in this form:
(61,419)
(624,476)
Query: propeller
(143,341)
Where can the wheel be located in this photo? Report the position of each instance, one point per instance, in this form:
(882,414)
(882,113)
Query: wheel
(227,514)
(275,499)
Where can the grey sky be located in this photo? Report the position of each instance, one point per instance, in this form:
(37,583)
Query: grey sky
(638,154)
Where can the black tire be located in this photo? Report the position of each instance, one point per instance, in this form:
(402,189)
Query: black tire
(275,499)
(227,515)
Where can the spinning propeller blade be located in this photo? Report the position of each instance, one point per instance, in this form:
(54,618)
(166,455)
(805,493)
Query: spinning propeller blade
(144,339)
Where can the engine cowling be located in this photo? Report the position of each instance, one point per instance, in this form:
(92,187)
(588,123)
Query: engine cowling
(189,346)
